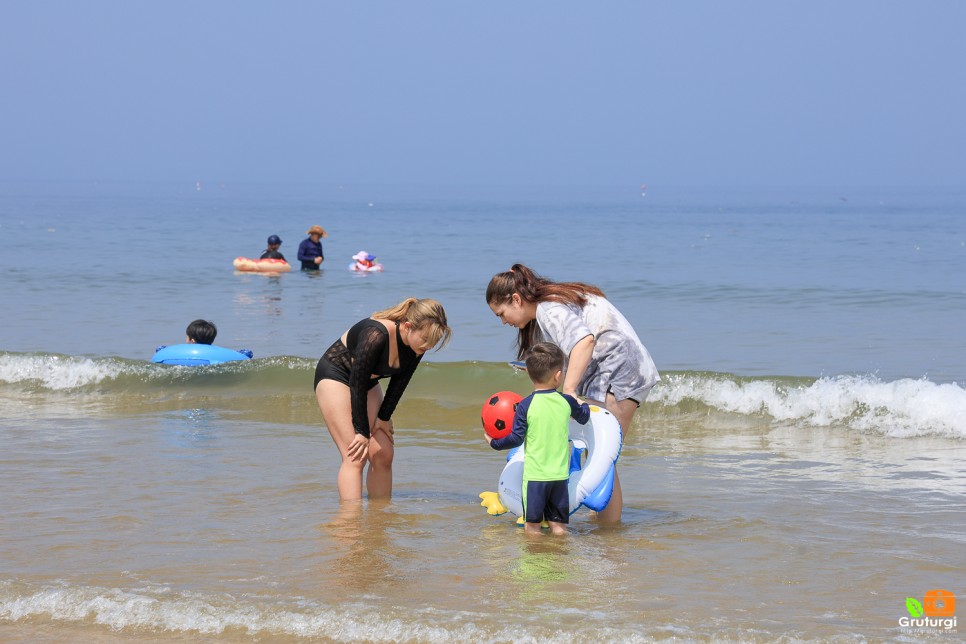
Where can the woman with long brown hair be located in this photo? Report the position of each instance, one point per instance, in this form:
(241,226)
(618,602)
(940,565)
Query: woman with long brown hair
(389,343)
(607,362)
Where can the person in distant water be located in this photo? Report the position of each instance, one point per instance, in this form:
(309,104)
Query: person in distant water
(541,423)
(272,251)
(364,261)
(389,343)
(607,362)
(201,332)
(310,250)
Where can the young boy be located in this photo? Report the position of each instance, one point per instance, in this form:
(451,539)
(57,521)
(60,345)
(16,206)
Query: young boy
(540,424)
(200,332)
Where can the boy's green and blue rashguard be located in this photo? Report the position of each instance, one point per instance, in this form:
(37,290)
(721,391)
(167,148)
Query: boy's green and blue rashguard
(541,421)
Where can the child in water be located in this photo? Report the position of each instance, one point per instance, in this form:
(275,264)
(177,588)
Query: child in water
(200,332)
(365,262)
(541,424)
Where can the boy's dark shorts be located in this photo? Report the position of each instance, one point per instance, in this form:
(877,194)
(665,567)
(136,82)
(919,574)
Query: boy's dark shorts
(546,500)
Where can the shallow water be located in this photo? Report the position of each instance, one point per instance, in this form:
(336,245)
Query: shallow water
(176,508)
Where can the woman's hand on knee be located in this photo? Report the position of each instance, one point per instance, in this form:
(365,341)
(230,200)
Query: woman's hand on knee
(385,426)
(358,449)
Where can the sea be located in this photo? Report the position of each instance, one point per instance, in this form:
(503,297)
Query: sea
(798,474)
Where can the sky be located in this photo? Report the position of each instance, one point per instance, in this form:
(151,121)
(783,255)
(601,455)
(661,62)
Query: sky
(678,93)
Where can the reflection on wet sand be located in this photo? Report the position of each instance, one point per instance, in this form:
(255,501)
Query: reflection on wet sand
(542,559)
(360,547)
(544,568)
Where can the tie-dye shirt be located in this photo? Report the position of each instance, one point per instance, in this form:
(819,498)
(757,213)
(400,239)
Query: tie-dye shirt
(620,362)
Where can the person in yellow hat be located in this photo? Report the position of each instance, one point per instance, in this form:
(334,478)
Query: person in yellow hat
(310,250)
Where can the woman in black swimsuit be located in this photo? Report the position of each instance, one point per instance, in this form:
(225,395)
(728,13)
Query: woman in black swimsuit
(389,344)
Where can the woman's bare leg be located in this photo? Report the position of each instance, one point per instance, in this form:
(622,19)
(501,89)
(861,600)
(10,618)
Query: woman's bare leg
(333,399)
(381,452)
(624,411)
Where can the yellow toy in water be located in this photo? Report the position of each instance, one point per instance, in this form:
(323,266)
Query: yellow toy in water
(491,501)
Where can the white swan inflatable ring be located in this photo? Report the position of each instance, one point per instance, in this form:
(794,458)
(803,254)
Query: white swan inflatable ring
(591,482)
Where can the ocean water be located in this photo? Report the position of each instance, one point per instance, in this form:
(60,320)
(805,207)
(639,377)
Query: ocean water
(797,474)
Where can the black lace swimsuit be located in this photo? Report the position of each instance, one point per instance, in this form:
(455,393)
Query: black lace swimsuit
(366,352)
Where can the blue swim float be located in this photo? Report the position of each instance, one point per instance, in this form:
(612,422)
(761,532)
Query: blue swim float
(193,355)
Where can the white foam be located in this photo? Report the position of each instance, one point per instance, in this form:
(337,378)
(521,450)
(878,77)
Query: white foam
(57,372)
(162,610)
(899,408)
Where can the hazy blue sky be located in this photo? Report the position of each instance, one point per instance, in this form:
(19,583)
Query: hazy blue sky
(752,93)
